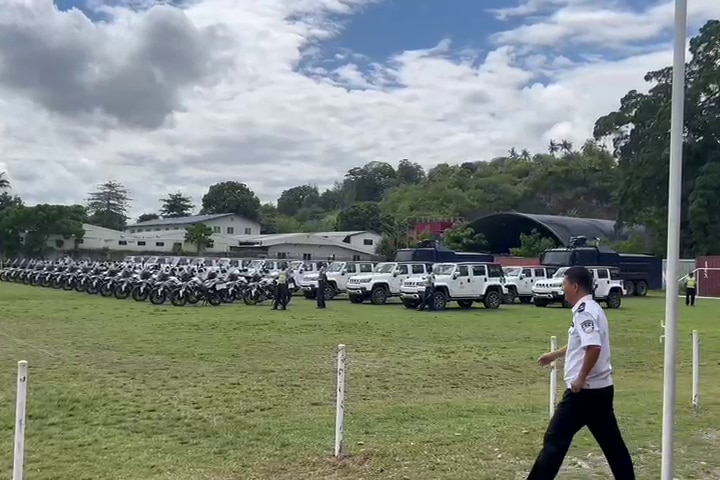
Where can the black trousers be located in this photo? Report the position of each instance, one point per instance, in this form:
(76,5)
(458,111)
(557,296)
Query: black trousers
(690,296)
(281,296)
(591,408)
(427,300)
(320,296)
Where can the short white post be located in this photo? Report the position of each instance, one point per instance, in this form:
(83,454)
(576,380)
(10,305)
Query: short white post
(553,377)
(695,370)
(340,401)
(22,381)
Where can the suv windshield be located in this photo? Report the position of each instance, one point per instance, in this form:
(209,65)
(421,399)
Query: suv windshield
(336,267)
(561,272)
(443,269)
(512,271)
(256,264)
(386,268)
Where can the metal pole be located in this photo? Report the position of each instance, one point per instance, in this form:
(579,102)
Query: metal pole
(673,237)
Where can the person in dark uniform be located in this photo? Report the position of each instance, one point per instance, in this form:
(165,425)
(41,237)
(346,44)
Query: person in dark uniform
(322,283)
(588,399)
(290,280)
(690,290)
(428,294)
(281,291)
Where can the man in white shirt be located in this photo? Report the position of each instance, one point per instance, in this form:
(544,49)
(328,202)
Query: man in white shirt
(588,400)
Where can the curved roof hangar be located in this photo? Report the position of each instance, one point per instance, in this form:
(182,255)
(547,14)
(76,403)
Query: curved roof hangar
(502,230)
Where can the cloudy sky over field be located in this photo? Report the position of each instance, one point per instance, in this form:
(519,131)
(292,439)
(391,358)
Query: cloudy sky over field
(168,96)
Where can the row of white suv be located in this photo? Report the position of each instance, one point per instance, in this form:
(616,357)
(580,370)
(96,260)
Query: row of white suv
(465,283)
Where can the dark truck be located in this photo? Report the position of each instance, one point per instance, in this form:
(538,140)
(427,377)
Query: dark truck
(639,272)
(434,252)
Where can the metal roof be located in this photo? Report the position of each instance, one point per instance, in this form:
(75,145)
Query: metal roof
(349,233)
(180,220)
(502,230)
(297,238)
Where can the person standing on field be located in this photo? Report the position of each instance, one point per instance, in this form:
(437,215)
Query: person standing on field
(588,399)
(690,290)
(322,284)
(281,291)
(428,299)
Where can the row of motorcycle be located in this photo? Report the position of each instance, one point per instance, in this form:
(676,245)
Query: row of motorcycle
(179,286)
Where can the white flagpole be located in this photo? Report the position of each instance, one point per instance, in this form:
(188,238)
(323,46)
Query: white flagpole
(673,237)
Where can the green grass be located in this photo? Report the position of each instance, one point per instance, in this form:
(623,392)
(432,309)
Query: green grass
(122,390)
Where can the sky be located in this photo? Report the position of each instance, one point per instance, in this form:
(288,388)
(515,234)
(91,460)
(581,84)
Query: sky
(167,96)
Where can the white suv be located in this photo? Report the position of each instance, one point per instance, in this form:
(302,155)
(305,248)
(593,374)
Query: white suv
(465,283)
(520,281)
(338,274)
(384,282)
(608,288)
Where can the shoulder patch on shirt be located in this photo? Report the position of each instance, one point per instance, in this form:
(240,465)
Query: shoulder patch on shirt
(581,308)
(587,326)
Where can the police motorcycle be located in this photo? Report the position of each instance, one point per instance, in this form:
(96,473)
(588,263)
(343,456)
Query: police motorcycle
(260,288)
(193,289)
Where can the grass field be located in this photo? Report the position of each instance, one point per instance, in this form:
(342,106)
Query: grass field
(125,390)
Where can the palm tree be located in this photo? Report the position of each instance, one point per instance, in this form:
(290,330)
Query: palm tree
(4,182)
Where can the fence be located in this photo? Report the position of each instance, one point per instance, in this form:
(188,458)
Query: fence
(22,388)
(687,265)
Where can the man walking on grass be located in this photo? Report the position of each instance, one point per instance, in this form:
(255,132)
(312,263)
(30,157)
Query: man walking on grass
(588,399)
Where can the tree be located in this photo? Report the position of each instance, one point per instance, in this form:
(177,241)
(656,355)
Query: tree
(199,235)
(361,216)
(231,197)
(462,238)
(176,205)
(109,205)
(370,182)
(634,243)
(704,211)
(9,201)
(293,200)
(409,173)
(28,229)
(638,130)
(4,182)
(533,245)
(145,217)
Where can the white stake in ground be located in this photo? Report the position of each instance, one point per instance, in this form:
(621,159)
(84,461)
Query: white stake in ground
(22,381)
(695,370)
(553,378)
(340,401)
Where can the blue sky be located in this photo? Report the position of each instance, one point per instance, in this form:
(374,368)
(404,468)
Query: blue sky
(389,27)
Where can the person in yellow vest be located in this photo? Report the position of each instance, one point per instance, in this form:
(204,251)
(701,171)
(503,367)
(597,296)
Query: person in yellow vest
(690,290)
(281,291)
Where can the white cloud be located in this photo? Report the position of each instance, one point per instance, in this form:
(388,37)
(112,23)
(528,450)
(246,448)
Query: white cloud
(224,99)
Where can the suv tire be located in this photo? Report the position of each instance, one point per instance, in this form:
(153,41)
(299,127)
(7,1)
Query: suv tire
(379,296)
(492,300)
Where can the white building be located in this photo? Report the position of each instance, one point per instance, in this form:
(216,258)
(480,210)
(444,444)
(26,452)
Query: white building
(300,246)
(174,241)
(364,239)
(169,242)
(222,223)
(95,238)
